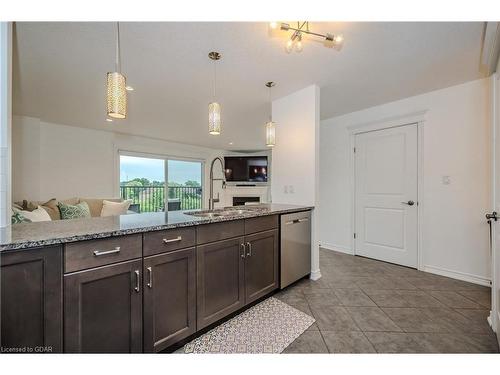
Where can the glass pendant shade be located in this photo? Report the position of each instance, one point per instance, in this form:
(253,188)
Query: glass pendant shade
(116,95)
(270,134)
(214,118)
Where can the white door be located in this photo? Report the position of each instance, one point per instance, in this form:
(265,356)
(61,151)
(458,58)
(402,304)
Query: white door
(386,177)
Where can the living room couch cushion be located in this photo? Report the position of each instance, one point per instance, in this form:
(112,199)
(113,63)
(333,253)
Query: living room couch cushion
(77,211)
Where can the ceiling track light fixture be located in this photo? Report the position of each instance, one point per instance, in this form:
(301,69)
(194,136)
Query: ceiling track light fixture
(214,110)
(271,125)
(116,85)
(295,41)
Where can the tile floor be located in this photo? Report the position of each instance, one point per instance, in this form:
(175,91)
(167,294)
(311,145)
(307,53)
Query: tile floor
(366,306)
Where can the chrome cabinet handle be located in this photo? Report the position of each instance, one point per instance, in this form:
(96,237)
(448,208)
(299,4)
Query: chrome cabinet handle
(249,252)
(304,219)
(98,253)
(150,282)
(177,239)
(242,254)
(137,281)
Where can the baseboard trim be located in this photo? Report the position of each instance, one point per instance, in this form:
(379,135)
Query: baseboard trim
(315,275)
(339,248)
(458,275)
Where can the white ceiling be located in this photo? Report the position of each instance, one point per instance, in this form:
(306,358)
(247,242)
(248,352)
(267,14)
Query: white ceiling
(60,71)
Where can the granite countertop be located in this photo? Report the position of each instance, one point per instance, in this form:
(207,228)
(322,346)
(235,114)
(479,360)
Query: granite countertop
(26,235)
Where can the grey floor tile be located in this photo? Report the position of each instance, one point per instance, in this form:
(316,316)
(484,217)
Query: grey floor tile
(372,319)
(453,299)
(322,297)
(333,318)
(387,298)
(394,342)
(481,297)
(411,319)
(353,297)
(313,327)
(344,282)
(420,298)
(347,342)
(456,343)
(407,297)
(300,305)
(453,321)
(308,342)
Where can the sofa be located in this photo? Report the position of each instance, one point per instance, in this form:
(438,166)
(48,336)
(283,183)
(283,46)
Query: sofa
(95,205)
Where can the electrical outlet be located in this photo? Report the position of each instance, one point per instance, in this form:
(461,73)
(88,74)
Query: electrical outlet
(285,189)
(446,180)
(291,189)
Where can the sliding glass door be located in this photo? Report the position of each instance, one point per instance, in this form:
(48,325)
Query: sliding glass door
(157,183)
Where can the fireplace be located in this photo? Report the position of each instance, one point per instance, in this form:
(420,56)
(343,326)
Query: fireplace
(241,201)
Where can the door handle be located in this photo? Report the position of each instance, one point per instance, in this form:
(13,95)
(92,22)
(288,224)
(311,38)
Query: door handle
(137,281)
(492,216)
(409,203)
(150,282)
(249,252)
(242,254)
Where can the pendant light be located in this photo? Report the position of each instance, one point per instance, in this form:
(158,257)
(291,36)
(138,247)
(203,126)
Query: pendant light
(214,116)
(270,126)
(116,86)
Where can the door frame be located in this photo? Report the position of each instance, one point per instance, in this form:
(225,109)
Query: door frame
(494,318)
(414,118)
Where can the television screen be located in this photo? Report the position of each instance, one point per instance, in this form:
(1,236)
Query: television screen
(246,168)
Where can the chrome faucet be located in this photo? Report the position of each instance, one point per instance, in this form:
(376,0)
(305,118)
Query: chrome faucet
(211,199)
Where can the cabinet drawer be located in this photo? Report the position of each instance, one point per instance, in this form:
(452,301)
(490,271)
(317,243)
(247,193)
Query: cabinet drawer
(95,253)
(260,224)
(219,231)
(168,240)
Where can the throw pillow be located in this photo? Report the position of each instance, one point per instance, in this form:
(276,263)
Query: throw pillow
(38,214)
(18,218)
(77,211)
(115,208)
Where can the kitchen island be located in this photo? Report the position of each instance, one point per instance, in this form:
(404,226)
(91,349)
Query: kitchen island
(134,283)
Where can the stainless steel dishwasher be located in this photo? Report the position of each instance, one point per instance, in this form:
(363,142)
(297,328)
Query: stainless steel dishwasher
(295,247)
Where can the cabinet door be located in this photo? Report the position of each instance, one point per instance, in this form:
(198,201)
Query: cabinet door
(103,309)
(261,264)
(31,299)
(220,285)
(169,298)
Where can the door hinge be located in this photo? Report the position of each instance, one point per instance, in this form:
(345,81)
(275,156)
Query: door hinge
(354,235)
(354,149)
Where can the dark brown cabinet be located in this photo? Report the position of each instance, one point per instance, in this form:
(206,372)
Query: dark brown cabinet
(235,272)
(103,309)
(220,280)
(31,299)
(169,298)
(261,264)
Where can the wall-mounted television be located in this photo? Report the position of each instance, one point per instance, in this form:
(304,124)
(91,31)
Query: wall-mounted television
(246,168)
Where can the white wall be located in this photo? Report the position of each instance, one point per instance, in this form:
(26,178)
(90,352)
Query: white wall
(5,120)
(295,158)
(59,161)
(456,144)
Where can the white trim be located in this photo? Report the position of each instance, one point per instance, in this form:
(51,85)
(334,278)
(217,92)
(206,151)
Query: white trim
(475,279)
(417,118)
(315,275)
(338,248)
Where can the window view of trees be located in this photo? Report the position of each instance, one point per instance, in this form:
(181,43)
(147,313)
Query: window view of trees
(141,181)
